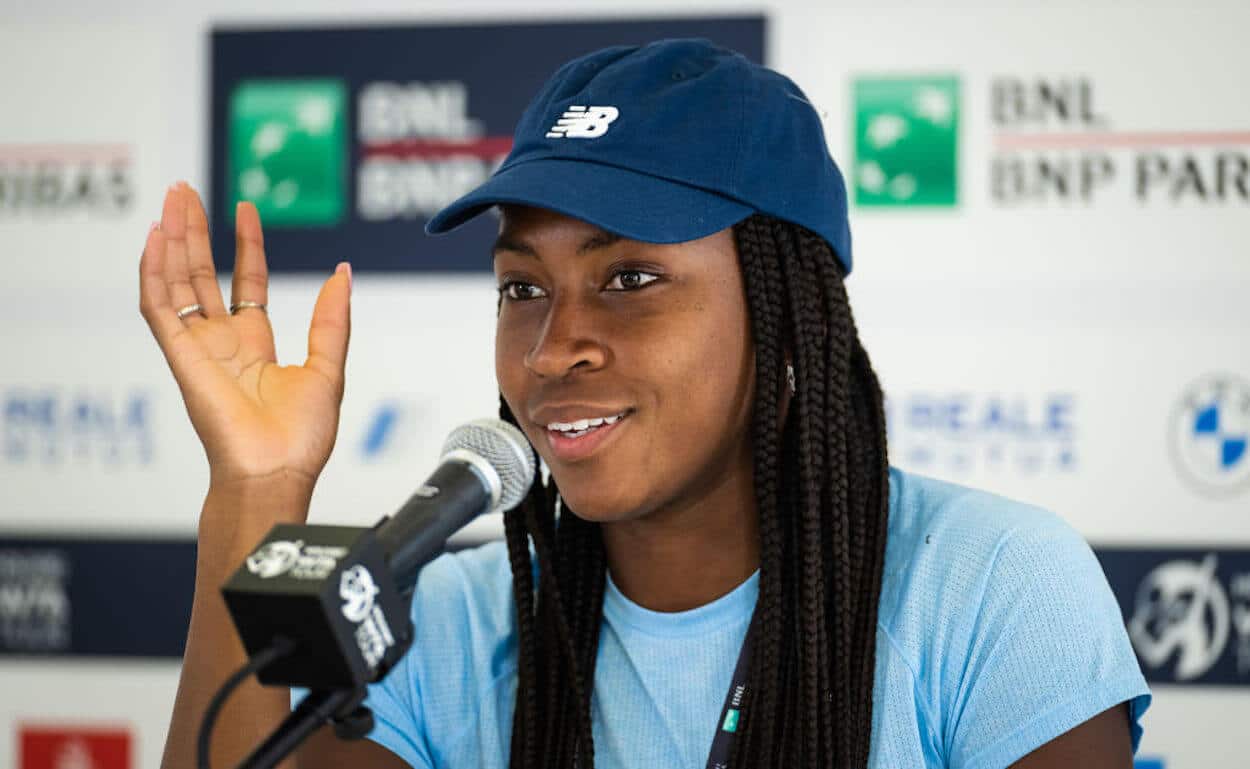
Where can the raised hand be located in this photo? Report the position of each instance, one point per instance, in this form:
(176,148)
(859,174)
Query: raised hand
(255,418)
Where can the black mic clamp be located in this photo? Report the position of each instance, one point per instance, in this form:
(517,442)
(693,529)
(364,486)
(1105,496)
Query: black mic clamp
(330,588)
(326,607)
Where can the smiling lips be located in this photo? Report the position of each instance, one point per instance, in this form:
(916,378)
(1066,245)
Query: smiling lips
(571,441)
(582,426)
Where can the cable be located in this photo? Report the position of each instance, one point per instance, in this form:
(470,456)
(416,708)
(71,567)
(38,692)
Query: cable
(280,647)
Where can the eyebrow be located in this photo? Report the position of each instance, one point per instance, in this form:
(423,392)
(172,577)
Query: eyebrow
(600,239)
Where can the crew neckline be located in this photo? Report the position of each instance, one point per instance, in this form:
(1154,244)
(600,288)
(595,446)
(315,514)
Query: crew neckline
(735,607)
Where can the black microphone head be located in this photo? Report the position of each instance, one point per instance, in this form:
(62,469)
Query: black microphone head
(501,451)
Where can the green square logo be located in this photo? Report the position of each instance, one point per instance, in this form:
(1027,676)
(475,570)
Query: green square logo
(906,141)
(731,720)
(288,150)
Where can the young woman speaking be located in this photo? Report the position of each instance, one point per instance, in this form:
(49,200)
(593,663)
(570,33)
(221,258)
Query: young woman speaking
(722,568)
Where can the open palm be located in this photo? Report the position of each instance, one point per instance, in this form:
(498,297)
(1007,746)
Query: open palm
(254,417)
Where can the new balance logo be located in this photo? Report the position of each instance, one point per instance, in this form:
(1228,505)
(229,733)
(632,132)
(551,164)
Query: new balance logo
(583,123)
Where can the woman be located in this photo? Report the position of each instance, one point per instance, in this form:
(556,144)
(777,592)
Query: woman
(675,341)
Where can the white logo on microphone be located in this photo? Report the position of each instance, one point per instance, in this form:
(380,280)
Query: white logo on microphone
(274,558)
(357,589)
(301,561)
(373,633)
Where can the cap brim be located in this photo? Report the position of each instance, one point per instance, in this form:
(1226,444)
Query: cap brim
(626,203)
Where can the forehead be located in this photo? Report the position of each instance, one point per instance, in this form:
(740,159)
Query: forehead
(521,224)
(536,232)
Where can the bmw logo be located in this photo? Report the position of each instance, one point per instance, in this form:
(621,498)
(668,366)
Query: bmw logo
(1210,434)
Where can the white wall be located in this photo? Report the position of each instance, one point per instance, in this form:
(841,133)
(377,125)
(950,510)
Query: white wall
(1117,304)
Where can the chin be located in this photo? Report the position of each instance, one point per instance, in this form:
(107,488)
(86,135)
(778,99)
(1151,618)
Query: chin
(600,505)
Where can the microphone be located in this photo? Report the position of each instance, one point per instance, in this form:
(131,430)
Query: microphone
(487,465)
(339,595)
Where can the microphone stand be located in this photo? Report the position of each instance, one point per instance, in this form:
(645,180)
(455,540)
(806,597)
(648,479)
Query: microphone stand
(351,720)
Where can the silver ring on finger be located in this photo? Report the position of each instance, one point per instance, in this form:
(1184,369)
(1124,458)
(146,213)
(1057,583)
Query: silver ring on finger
(191,308)
(234,308)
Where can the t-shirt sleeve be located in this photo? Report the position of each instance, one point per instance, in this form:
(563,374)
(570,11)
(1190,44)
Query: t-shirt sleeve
(1047,651)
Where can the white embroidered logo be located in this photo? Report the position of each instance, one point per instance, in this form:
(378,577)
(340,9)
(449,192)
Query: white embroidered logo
(583,122)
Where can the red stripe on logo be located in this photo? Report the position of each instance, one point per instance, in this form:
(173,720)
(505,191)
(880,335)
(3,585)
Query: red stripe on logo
(486,148)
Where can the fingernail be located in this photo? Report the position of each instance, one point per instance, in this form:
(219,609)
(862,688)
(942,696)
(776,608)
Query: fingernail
(346,269)
(153,227)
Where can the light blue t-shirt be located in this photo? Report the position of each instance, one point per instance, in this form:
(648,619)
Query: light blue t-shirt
(997,632)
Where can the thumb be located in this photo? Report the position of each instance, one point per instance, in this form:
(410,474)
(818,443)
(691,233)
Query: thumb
(331,326)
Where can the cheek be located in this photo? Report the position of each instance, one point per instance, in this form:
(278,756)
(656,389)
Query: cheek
(701,364)
(510,352)
(708,351)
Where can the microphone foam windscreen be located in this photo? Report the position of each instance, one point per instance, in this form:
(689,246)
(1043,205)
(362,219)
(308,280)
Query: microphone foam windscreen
(505,448)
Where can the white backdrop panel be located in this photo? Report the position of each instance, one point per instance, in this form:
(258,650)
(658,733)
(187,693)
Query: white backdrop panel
(1116,304)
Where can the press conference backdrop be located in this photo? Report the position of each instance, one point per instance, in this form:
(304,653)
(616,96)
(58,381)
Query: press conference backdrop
(1051,210)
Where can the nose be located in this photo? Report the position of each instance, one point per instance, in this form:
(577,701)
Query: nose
(568,341)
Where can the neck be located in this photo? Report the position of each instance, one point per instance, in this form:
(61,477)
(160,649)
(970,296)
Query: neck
(680,559)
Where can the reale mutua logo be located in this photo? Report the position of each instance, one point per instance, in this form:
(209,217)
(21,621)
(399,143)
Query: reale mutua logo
(79,427)
(906,141)
(288,150)
(954,434)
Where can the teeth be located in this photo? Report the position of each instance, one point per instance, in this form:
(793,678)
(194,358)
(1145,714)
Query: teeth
(583,426)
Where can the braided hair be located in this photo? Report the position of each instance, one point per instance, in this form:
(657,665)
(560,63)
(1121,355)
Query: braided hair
(821,487)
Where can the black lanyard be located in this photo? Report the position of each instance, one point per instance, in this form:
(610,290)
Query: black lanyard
(731,711)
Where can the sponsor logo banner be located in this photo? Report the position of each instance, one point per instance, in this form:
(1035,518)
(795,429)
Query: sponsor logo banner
(352,138)
(56,747)
(132,598)
(51,426)
(906,141)
(1209,432)
(1187,611)
(95,597)
(56,180)
(1051,142)
(960,433)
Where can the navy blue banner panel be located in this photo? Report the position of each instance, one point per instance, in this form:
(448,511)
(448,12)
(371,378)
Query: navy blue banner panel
(349,139)
(65,597)
(1187,611)
(101,597)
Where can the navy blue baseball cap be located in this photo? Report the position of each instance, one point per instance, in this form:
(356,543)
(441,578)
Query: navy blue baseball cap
(665,143)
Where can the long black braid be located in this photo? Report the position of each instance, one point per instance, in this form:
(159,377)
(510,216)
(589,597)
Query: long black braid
(821,486)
